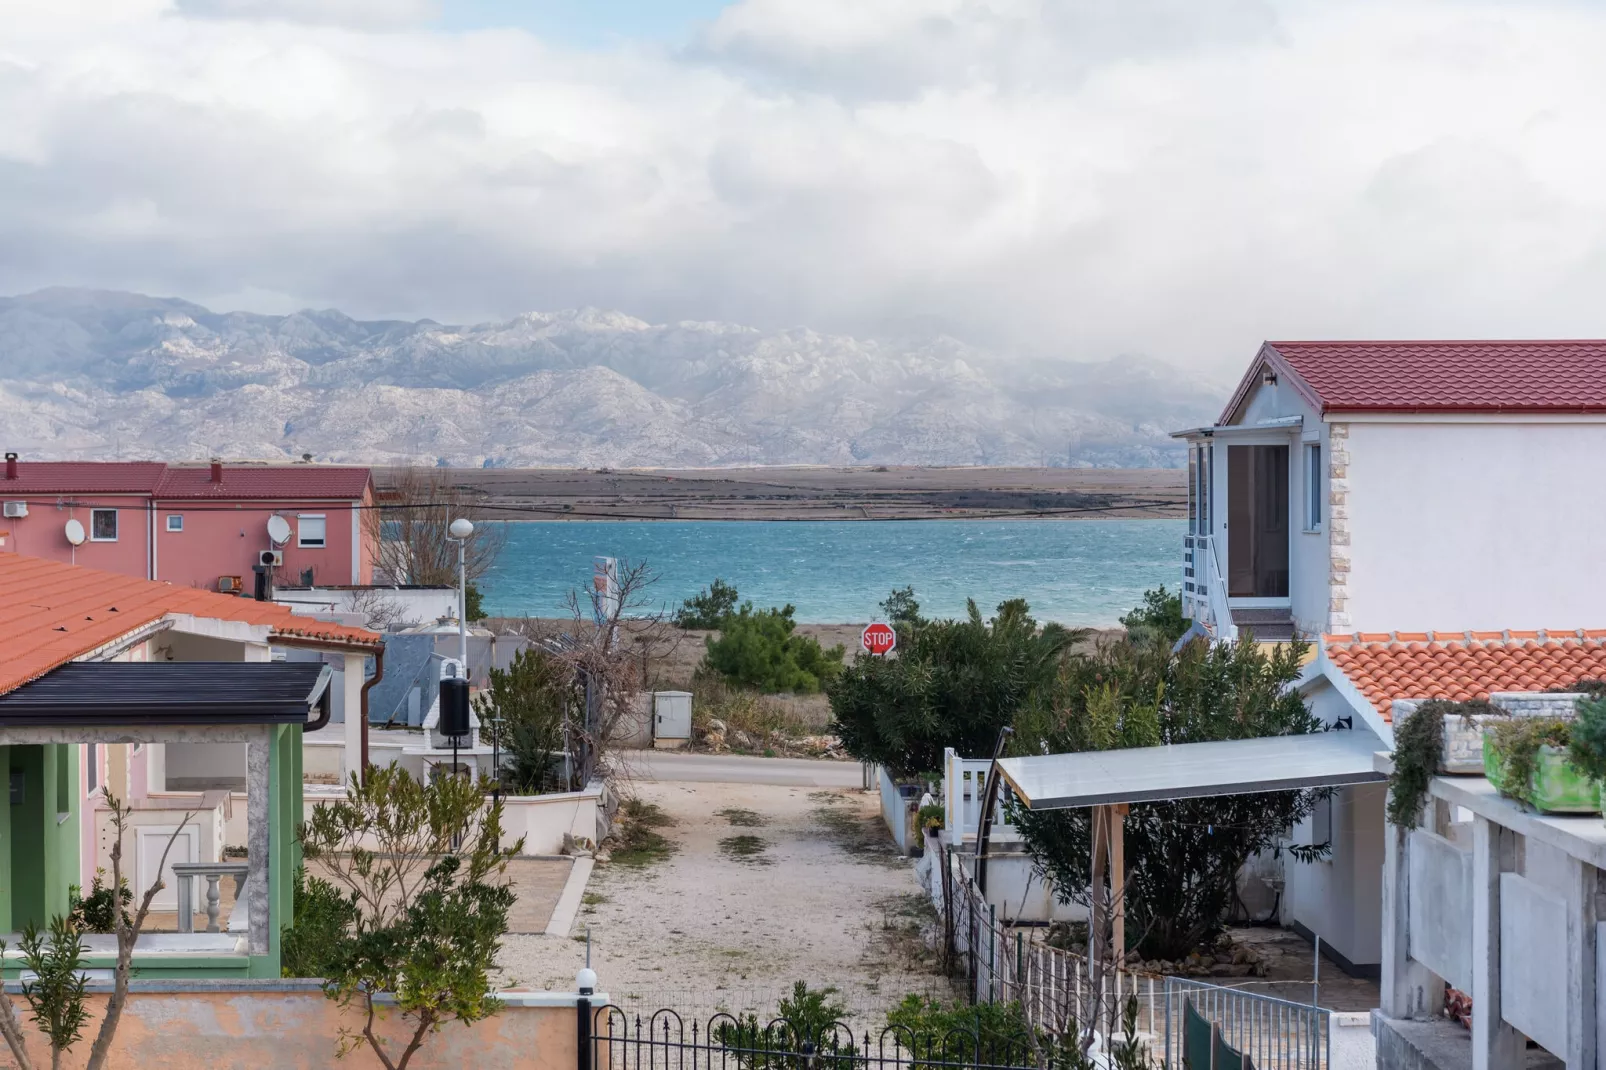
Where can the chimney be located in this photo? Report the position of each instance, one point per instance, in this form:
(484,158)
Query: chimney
(11,466)
(217,469)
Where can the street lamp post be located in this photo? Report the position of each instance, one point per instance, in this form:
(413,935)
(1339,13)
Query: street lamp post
(459,533)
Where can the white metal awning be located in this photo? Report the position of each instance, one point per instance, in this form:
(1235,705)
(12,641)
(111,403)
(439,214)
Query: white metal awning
(1194,770)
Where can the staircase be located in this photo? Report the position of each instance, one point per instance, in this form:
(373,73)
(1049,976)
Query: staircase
(1268,625)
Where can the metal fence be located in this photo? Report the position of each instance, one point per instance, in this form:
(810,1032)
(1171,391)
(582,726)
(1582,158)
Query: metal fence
(664,1040)
(1269,1032)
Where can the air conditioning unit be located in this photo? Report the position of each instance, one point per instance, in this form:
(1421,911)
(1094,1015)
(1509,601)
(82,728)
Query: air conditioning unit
(230,584)
(16,510)
(271,558)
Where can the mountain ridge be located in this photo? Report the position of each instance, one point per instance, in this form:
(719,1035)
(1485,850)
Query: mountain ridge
(97,373)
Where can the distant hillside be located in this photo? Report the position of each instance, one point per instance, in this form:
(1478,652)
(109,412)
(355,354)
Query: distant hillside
(96,374)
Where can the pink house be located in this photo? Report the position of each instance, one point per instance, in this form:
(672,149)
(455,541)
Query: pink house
(193,525)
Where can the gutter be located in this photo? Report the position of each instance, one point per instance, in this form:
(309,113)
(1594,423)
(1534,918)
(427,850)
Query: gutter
(376,651)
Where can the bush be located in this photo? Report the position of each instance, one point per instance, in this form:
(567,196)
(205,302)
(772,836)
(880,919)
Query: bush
(1418,752)
(934,1034)
(759,649)
(900,607)
(807,1016)
(95,912)
(1588,749)
(310,945)
(1159,618)
(952,684)
(708,608)
(523,713)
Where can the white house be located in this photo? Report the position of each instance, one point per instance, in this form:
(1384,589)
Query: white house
(1422,511)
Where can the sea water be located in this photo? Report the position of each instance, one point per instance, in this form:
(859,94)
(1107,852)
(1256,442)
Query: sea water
(1077,572)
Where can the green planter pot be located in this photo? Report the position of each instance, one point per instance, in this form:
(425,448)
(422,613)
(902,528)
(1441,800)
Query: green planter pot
(1557,787)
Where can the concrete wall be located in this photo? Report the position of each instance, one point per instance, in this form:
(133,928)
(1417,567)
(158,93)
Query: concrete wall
(544,819)
(291,1024)
(42,533)
(1441,907)
(1485,528)
(898,811)
(1533,949)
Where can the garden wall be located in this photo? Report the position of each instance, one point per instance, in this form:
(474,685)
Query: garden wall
(291,1024)
(544,819)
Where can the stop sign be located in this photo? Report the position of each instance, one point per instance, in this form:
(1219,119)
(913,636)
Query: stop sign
(879,638)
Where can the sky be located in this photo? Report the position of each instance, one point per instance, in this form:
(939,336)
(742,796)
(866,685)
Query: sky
(1177,179)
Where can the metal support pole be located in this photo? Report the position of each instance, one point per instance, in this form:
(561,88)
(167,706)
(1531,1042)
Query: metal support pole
(462,604)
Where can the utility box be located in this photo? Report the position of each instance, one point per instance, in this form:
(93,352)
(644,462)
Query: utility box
(671,718)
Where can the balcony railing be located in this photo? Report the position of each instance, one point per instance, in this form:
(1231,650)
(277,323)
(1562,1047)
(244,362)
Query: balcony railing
(1204,593)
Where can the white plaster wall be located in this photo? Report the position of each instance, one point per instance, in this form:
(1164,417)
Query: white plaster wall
(1340,899)
(1533,951)
(1440,912)
(1476,525)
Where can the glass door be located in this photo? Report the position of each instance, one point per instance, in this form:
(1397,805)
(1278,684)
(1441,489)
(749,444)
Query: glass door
(1257,521)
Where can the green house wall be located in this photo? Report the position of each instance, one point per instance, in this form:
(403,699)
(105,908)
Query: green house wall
(38,833)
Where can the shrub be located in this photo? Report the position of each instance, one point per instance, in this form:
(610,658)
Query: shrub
(760,649)
(310,946)
(95,913)
(952,684)
(1588,749)
(523,713)
(1159,617)
(1516,745)
(708,608)
(900,607)
(936,1035)
(1418,752)
(808,1016)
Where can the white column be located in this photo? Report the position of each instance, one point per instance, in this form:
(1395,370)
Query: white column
(258,771)
(1581,915)
(1495,1045)
(354,666)
(1408,989)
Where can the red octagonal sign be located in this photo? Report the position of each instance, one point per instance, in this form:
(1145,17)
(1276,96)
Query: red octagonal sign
(879,638)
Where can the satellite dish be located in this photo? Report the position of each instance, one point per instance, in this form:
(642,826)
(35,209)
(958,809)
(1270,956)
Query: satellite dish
(75,532)
(278,530)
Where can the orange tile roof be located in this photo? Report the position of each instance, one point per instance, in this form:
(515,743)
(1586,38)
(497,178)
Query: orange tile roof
(1464,665)
(51,613)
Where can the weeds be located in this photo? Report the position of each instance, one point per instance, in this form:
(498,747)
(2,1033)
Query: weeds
(756,716)
(746,848)
(742,818)
(640,843)
(859,836)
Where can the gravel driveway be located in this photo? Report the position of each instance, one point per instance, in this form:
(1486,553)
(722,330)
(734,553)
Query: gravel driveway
(768,885)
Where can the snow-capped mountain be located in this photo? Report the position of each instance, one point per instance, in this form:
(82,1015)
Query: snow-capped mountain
(100,375)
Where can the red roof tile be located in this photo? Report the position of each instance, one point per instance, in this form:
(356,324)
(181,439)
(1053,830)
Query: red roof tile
(51,613)
(265,482)
(83,477)
(1464,665)
(1467,376)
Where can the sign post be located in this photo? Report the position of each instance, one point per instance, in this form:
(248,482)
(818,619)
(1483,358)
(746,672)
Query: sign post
(879,639)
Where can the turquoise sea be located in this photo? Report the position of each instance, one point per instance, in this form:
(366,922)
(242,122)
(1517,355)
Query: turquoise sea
(1077,572)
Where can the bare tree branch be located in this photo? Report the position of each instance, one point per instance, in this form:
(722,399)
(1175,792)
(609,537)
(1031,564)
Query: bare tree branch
(408,532)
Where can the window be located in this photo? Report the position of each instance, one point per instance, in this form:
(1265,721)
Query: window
(1321,822)
(310,529)
(103,525)
(175,522)
(92,761)
(1314,486)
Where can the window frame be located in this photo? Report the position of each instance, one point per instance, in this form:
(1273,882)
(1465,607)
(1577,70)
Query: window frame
(92,768)
(171,527)
(116,525)
(323,539)
(1315,515)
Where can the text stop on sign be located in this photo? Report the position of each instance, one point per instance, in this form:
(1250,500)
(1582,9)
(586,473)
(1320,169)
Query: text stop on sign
(879,638)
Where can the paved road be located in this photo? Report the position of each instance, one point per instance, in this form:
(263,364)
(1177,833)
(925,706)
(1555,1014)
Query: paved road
(660,765)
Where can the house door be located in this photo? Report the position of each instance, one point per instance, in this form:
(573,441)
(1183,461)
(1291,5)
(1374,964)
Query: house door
(1257,521)
(25,784)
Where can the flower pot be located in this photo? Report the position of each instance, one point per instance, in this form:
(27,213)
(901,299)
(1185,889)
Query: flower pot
(1556,788)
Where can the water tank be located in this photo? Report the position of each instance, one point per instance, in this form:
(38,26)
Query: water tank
(454,707)
(671,715)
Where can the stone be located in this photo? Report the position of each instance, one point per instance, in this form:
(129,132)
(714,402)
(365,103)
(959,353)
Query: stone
(716,725)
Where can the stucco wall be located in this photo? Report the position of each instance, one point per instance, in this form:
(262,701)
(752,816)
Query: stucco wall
(1533,951)
(1440,922)
(1340,899)
(293,1025)
(42,533)
(224,539)
(1488,526)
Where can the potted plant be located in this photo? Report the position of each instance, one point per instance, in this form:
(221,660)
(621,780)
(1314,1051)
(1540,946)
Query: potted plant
(1526,758)
(1587,751)
(1433,737)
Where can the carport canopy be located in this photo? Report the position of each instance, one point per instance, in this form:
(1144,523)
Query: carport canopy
(1194,770)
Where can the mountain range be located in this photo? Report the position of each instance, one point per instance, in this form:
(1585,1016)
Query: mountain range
(90,374)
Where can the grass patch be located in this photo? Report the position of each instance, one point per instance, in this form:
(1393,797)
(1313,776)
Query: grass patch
(758,716)
(593,899)
(863,838)
(742,818)
(746,848)
(639,843)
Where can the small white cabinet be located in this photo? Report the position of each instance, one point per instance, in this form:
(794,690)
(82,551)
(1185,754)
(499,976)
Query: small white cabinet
(671,717)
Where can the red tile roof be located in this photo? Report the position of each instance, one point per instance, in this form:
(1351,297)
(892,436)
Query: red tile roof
(51,613)
(83,477)
(1494,376)
(265,483)
(1464,665)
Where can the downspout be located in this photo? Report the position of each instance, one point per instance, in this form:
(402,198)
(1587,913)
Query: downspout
(377,652)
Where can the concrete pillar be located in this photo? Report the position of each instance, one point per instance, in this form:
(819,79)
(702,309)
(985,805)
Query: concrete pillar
(1495,1045)
(258,769)
(353,680)
(1409,989)
(1581,917)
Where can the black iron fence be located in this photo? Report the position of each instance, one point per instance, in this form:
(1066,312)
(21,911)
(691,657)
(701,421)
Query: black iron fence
(666,1041)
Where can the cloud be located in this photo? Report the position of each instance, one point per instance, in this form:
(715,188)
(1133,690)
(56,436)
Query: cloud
(360,14)
(1074,178)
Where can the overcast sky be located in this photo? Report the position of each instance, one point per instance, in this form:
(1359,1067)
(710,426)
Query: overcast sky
(1176,178)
